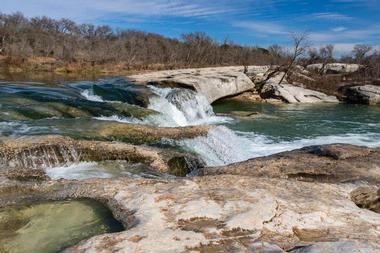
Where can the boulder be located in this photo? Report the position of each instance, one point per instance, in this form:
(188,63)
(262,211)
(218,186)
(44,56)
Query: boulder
(292,94)
(335,163)
(366,94)
(214,83)
(367,197)
(335,68)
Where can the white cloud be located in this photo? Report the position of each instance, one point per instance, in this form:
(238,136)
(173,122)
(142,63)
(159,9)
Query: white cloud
(338,35)
(339,29)
(330,16)
(265,28)
(91,9)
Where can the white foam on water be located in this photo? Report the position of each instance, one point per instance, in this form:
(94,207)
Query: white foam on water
(263,146)
(116,118)
(220,146)
(181,107)
(89,95)
(223,146)
(78,171)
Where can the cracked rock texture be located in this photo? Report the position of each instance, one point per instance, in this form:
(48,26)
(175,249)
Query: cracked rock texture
(224,213)
(335,163)
(40,152)
(214,83)
(366,94)
(293,94)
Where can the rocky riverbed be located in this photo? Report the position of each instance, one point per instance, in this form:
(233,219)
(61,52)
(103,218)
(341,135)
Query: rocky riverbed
(280,206)
(181,175)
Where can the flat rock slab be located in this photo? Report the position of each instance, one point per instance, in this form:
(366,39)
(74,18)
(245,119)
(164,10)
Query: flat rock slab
(40,152)
(214,83)
(220,214)
(335,68)
(366,94)
(293,94)
(334,163)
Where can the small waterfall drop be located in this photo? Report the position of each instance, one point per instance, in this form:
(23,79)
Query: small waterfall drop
(89,95)
(42,157)
(181,107)
(221,146)
(184,107)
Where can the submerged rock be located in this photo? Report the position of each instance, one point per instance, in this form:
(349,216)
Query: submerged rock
(104,130)
(244,114)
(366,94)
(52,226)
(130,94)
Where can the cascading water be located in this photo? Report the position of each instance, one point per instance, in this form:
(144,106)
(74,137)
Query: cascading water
(43,157)
(184,107)
(79,110)
(181,107)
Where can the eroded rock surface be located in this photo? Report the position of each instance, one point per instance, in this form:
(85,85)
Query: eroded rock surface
(39,152)
(214,83)
(327,163)
(334,68)
(292,94)
(367,197)
(218,214)
(366,94)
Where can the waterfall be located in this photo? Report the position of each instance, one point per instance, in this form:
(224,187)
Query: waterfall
(220,146)
(184,107)
(181,107)
(42,157)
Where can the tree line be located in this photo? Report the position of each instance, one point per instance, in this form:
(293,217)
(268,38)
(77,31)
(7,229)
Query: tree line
(69,42)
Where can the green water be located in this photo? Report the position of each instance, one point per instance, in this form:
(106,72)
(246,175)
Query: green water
(286,122)
(98,110)
(52,226)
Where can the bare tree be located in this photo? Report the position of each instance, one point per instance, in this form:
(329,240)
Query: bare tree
(299,48)
(326,55)
(277,53)
(360,51)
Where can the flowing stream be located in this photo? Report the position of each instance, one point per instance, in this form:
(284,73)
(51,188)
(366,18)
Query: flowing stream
(90,110)
(75,109)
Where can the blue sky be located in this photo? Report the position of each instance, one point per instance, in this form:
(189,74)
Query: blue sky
(249,22)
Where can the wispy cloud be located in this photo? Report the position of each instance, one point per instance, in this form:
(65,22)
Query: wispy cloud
(330,16)
(90,8)
(339,29)
(338,34)
(263,28)
(330,21)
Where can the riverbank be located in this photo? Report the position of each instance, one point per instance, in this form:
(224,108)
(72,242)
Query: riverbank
(186,174)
